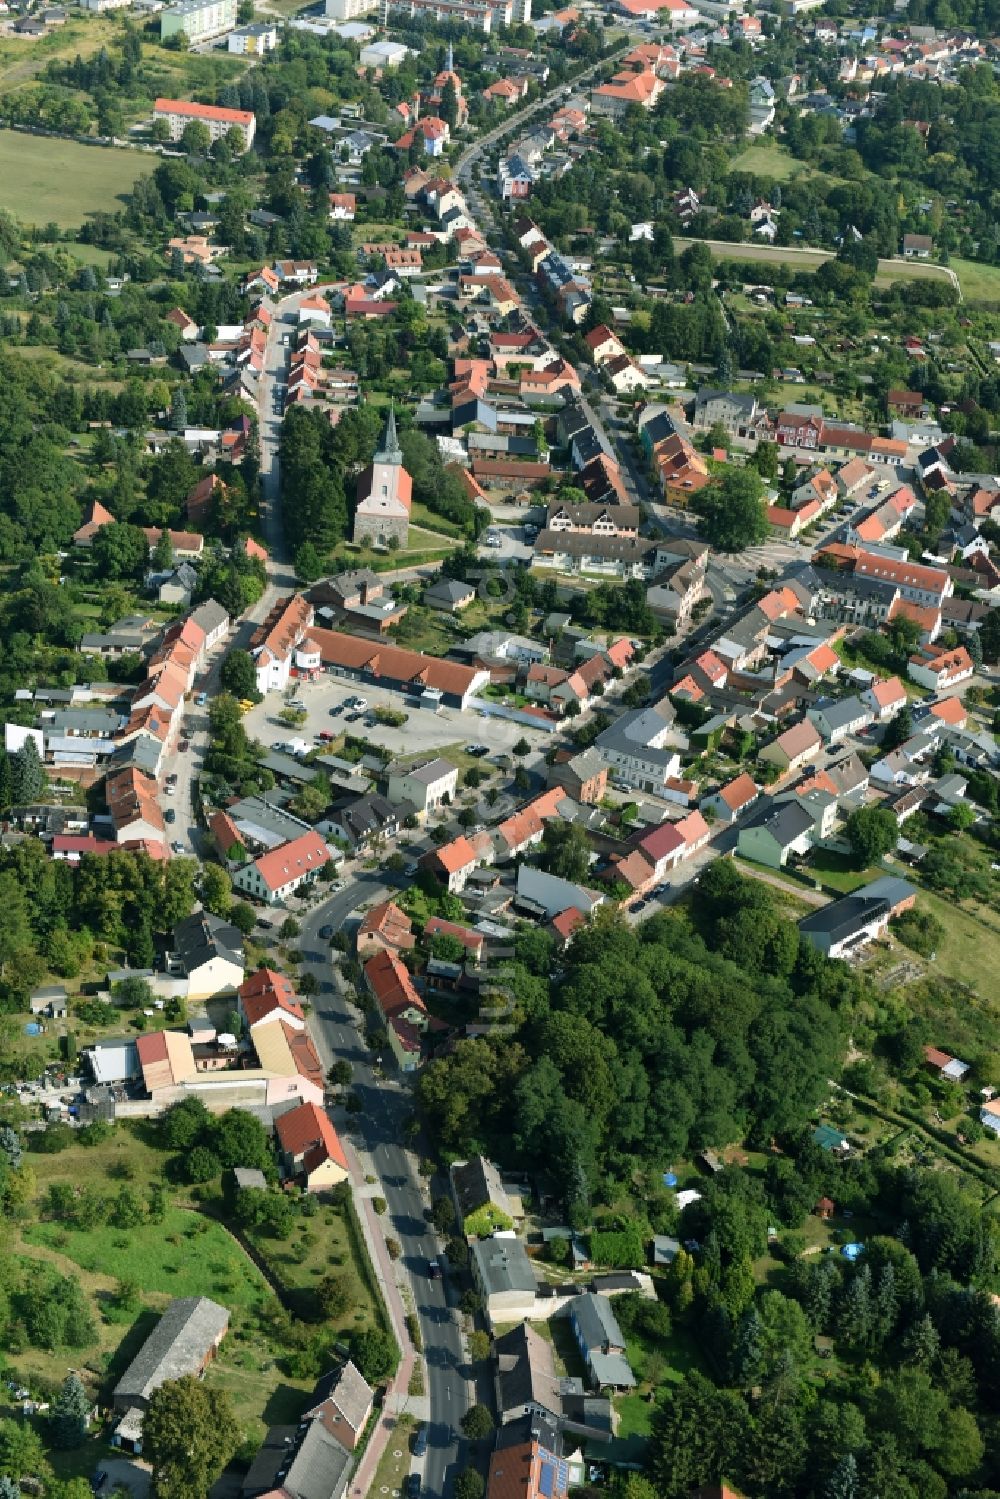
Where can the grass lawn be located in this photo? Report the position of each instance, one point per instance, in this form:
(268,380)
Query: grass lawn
(394,1464)
(980,283)
(320,1246)
(46,180)
(421,516)
(970,948)
(774,160)
(837,871)
(185,1255)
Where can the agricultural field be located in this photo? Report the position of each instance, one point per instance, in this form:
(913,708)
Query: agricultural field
(47,180)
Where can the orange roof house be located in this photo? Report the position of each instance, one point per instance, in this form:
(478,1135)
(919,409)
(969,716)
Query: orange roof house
(310,1147)
(385,926)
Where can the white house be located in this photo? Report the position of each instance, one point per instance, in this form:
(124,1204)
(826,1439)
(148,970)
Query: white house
(278,873)
(425,785)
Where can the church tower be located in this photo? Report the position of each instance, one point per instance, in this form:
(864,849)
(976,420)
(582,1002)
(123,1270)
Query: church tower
(385,493)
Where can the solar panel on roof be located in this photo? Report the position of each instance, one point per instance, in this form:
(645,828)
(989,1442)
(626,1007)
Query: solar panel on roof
(546,1479)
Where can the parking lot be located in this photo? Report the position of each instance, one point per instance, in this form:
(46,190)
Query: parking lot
(424,733)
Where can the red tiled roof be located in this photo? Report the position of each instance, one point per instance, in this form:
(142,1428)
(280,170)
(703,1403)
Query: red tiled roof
(280,866)
(204,111)
(303,1128)
(438,927)
(738,793)
(453,856)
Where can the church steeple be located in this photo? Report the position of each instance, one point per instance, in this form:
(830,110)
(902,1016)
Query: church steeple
(389,450)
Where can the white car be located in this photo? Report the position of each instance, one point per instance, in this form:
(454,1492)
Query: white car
(493,541)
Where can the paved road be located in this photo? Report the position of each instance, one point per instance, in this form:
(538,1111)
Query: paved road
(338,1031)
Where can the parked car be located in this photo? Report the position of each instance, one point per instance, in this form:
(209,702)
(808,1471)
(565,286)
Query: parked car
(184,745)
(177,846)
(325,736)
(419,1444)
(413,1486)
(172,779)
(326,931)
(201,699)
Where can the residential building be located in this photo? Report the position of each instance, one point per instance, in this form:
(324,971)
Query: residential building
(846,924)
(838,718)
(482,1205)
(277,874)
(584,776)
(945,1065)
(504,1277)
(385,927)
(344,1401)
(601,1342)
(197,19)
(795,747)
(273,644)
(311,1152)
(306,1461)
(729,803)
(219,122)
(253,41)
(449,595)
(917,246)
(776,832)
(528,1462)
(638,750)
(940,669)
(425,785)
(403,1011)
(184,1341)
(452,863)
(208,952)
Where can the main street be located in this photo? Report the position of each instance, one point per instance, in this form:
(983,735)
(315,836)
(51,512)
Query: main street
(338,1028)
(379,1133)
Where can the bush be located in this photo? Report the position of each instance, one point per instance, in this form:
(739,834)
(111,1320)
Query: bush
(380,1205)
(919,930)
(621,1249)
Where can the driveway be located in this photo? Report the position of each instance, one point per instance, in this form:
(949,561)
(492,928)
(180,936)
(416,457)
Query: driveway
(127,1473)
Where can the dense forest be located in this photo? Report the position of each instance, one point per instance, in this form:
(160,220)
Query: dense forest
(811,1375)
(649,1043)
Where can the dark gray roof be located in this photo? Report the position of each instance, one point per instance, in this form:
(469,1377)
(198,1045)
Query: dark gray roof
(449,590)
(842,918)
(202,936)
(304,1463)
(526,1370)
(503,1265)
(179,1344)
(583,544)
(785,821)
(476,1183)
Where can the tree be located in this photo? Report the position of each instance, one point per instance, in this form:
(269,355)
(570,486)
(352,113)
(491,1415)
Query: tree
(469,1485)
(872,833)
(178,410)
(196,139)
(898,730)
(239,675)
(184,1124)
(732,511)
(28,779)
(10,1146)
(70,1414)
(565,850)
(374,1353)
(216,889)
(189,1433)
(21,1453)
(477,1423)
(335,1296)
(119,551)
(442,1214)
(163,552)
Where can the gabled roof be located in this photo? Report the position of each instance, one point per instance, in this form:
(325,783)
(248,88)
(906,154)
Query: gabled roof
(290,861)
(307,1129)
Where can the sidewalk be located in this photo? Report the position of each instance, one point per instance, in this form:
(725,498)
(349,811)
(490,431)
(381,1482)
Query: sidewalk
(396,1394)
